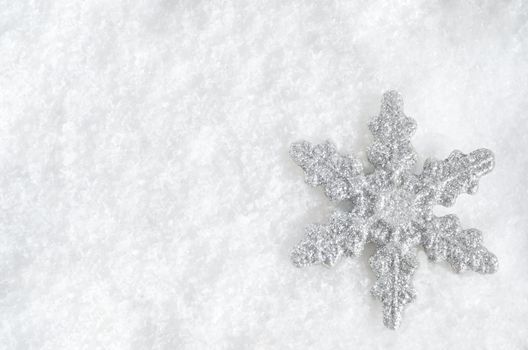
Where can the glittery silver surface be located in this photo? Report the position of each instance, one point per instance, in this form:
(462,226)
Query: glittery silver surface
(393,208)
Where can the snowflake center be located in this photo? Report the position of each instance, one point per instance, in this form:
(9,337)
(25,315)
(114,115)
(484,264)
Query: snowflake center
(397,208)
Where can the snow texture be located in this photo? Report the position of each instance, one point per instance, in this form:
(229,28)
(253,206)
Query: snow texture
(147,196)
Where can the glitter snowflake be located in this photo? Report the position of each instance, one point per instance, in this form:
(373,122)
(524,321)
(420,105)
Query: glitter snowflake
(393,208)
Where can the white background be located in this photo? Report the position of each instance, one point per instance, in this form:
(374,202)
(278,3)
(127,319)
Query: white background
(147,199)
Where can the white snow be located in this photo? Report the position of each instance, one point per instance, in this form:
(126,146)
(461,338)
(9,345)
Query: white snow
(147,200)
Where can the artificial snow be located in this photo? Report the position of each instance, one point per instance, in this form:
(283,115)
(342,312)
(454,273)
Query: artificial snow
(148,200)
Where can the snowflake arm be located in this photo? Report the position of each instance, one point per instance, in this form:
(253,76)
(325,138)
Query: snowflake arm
(344,235)
(392,151)
(394,269)
(459,173)
(462,249)
(341,176)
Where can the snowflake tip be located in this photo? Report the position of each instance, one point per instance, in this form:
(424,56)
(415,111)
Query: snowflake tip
(344,235)
(484,160)
(462,249)
(341,176)
(394,269)
(392,101)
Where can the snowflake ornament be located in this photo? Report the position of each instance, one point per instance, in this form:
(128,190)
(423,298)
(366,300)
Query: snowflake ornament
(393,208)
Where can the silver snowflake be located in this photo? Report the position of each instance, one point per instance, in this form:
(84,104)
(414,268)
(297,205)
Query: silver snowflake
(393,208)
